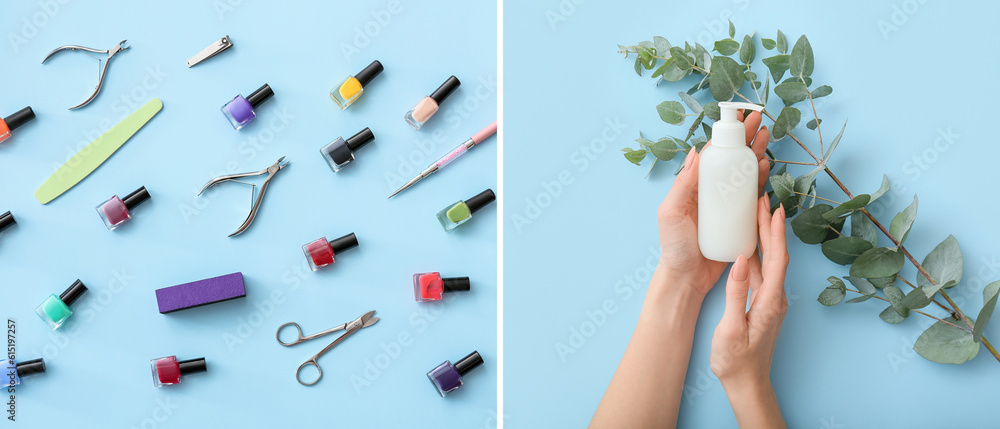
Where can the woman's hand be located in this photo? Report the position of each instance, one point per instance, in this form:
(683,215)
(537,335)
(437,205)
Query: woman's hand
(678,216)
(743,344)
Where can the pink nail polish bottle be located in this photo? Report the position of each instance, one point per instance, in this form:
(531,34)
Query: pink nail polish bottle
(116,211)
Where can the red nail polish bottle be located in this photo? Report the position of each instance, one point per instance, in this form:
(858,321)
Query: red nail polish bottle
(431,286)
(116,211)
(320,253)
(167,370)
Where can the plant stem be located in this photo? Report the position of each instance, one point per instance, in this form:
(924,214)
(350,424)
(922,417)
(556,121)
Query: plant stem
(835,230)
(989,347)
(921,312)
(794,162)
(815,115)
(934,300)
(816,197)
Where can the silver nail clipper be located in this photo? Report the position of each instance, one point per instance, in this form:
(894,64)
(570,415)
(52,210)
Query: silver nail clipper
(350,328)
(269,171)
(103,71)
(211,51)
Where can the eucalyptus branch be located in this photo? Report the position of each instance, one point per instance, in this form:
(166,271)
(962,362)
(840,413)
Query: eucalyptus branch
(915,311)
(816,197)
(793,162)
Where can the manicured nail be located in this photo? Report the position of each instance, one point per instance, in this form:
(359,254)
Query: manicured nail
(689,159)
(781,208)
(767,202)
(741,269)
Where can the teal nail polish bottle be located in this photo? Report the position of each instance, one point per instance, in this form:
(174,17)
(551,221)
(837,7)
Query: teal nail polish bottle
(55,309)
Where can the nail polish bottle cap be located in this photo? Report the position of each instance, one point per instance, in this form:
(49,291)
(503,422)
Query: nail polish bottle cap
(6,220)
(456,284)
(368,73)
(192,365)
(469,363)
(445,89)
(480,200)
(28,367)
(343,243)
(260,95)
(74,292)
(19,117)
(135,198)
(360,139)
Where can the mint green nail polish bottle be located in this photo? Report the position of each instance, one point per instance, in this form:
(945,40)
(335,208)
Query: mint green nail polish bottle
(55,309)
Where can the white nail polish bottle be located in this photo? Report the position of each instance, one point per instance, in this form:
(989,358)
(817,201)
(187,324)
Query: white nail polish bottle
(727,189)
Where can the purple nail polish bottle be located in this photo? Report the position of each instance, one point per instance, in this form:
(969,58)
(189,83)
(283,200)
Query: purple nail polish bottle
(447,377)
(240,112)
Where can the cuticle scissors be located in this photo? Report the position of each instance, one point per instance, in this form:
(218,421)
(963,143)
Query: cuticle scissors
(350,328)
(103,71)
(269,171)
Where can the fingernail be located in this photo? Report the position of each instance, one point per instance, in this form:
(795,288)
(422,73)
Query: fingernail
(740,269)
(781,208)
(689,159)
(767,203)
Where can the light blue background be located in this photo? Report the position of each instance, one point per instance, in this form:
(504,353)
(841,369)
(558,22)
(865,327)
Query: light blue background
(834,367)
(98,363)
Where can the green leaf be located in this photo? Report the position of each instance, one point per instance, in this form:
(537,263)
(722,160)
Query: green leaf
(944,343)
(727,46)
(989,302)
(665,149)
(691,103)
(895,297)
(822,91)
(810,226)
(881,282)
(791,92)
(881,189)
(712,111)
(844,250)
(725,79)
(777,64)
(944,264)
(804,183)
(671,72)
(635,156)
(863,228)
(681,59)
(900,226)
(748,50)
(834,293)
(801,62)
(671,112)
(768,43)
(767,90)
(662,46)
(836,141)
(848,207)
(813,123)
(702,58)
(782,185)
(782,43)
(878,262)
(787,121)
(704,127)
(916,299)
(732,29)
(808,80)
(863,286)
(889,315)
(638,66)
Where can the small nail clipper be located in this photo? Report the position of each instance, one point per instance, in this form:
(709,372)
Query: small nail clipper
(350,328)
(270,171)
(103,71)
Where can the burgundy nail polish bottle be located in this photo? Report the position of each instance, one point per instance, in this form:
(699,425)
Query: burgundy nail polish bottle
(167,370)
(116,211)
(431,286)
(320,253)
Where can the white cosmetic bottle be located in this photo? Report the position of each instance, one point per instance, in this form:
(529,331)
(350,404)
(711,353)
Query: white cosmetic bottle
(727,189)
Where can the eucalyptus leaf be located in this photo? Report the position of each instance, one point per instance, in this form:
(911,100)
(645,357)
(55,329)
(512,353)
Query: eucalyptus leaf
(822,91)
(858,299)
(712,111)
(768,43)
(844,250)
(989,303)
(881,282)
(944,264)
(832,295)
(787,120)
(944,343)
(782,43)
(881,189)
(782,185)
(635,156)
(664,149)
(748,50)
(767,90)
(791,92)
(863,228)
(671,112)
(895,297)
(662,46)
(916,299)
(702,57)
(681,58)
(726,78)
(862,284)
(777,65)
(691,103)
(855,203)
(889,315)
(704,127)
(800,64)
(813,123)
(833,145)
(727,46)
(878,262)
(901,223)
(732,29)
(810,226)
(671,72)
(638,66)
(804,183)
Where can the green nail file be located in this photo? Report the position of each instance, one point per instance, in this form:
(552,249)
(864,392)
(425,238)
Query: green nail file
(94,154)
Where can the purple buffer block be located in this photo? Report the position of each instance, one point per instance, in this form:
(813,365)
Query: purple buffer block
(201,292)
